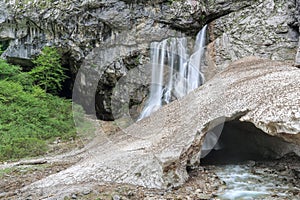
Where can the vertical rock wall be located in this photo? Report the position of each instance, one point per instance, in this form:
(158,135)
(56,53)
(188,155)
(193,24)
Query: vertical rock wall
(266,29)
(296,25)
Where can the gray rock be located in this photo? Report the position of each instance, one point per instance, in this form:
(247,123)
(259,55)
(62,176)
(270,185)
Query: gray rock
(295,24)
(78,27)
(116,197)
(107,32)
(265,29)
(86,192)
(104,33)
(297,59)
(74,196)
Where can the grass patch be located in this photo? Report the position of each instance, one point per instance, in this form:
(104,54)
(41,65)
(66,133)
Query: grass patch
(30,117)
(5,171)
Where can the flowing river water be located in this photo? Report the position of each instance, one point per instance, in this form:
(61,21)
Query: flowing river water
(252,181)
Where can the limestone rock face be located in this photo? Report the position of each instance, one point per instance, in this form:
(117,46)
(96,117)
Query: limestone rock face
(112,35)
(156,151)
(268,29)
(296,24)
(106,33)
(77,27)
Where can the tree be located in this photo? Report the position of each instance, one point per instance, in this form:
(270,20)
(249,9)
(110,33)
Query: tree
(1,49)
(48,72)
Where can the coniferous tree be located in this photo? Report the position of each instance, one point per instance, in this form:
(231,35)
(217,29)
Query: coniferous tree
(48,72)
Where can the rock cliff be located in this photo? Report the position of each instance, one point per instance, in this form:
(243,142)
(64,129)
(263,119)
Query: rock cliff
(112,35)
(268,29)
(296,24)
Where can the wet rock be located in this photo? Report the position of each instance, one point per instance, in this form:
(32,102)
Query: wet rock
(251,163)
(266,180)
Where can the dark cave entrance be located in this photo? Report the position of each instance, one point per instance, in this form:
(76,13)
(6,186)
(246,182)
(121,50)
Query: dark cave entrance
(70,65)
(67,85)
(242,141)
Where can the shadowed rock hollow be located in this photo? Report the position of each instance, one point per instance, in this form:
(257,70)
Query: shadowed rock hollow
(242,141)
(156,151)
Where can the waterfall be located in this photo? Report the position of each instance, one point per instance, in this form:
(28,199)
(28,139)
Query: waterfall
(174,72)
(195,62)
(158,50)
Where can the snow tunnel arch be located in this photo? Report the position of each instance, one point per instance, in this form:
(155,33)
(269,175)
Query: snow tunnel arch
(241,141)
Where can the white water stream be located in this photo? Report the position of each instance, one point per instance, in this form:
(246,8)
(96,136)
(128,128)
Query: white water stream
(174,72)
(250,183)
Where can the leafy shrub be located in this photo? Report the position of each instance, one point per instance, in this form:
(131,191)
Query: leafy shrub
(29,116)
(14,73)
(7,71)
(1,49)
(22,147)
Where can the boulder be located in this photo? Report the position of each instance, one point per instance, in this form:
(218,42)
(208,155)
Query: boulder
(156,151)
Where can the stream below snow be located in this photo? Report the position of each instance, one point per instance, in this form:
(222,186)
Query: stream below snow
(247,182)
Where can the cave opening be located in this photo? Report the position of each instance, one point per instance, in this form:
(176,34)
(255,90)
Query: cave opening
(67,84)
(251,164)
(4,45)
(70,66)
(242,141)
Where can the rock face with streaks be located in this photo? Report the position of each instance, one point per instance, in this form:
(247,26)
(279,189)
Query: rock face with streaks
(113,35)
(296,25)
(156,151)
(268,29)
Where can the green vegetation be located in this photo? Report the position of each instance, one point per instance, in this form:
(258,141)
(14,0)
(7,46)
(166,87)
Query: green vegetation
(1,49)
(5,171)
(48,73)
(30,117)
(3,45)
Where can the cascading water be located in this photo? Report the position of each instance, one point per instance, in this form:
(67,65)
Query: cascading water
(195,62)
(158,50)
(174,72)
